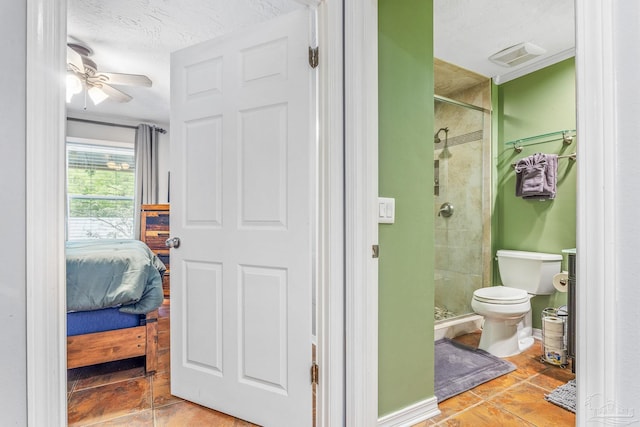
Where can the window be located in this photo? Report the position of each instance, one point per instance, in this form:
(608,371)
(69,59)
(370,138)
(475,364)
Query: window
(100,191)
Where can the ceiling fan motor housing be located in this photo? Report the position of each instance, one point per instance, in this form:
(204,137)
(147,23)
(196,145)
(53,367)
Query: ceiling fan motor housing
(81,49)
(90,66)
(101,82)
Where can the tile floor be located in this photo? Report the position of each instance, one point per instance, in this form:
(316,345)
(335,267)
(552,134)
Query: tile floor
(119,394)
(514,399)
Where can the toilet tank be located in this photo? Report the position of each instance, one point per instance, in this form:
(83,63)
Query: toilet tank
(531,271)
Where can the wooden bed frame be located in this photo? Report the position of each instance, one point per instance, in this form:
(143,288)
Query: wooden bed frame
(109,346)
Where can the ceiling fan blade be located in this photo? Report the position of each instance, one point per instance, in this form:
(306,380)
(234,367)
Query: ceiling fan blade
(114,94)
(125,79)
(74,60)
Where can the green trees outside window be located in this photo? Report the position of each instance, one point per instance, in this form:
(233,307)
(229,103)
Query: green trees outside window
(100,191)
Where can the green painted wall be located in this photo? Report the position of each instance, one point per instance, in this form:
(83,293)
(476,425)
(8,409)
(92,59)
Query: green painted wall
(536,104)
(406,291)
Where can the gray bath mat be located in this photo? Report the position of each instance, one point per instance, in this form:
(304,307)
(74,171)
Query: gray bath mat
(564,396)
(459,368)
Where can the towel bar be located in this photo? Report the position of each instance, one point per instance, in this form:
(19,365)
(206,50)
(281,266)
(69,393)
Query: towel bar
(572,156)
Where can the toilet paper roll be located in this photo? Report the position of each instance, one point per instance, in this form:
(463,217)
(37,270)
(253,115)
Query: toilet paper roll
(555,342)
(553,325)
(554,335)
(561,281)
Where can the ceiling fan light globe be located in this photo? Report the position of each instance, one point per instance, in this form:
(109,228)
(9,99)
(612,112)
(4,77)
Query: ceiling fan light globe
(97,95)
(74,86)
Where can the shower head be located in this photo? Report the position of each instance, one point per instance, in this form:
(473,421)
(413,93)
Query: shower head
(436,137)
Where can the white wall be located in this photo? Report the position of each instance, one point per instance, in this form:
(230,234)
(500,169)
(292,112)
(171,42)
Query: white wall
(13,387)
(115,133)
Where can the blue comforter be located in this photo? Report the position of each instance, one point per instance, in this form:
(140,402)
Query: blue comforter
(113,273)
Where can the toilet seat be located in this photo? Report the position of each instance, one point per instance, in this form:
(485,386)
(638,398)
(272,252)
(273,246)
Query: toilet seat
(504,310)
(501,295)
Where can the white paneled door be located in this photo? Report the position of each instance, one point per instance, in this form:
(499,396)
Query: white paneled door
(243,202)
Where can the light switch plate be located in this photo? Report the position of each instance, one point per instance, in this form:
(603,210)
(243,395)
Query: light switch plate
(386,210)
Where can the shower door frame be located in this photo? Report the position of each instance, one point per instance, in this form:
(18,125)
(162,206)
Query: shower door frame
(488,191)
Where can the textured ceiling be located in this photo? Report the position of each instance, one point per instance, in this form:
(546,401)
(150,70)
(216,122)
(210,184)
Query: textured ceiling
(137,36)
(468,32)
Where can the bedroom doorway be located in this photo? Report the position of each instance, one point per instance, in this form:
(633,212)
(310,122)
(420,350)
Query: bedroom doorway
(46,366)
(314,132)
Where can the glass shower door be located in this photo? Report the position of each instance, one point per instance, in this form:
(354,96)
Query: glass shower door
(462,215)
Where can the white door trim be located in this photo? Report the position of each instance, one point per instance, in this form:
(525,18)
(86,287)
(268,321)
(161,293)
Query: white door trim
(46,337)
(45,157)
(597,335)
(330,410)
(361,227)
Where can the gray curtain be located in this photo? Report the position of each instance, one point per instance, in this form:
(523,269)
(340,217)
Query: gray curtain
(146,170)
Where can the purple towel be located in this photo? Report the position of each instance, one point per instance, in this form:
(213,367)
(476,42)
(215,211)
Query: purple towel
(536,176)
(551,175)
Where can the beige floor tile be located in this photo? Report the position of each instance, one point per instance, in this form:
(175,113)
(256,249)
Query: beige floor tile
(471,339)
(104,403)
(527,364)
(485,415)
(141,419)
(162,390)
(184,414)
(456,404)
(426,423)
(552,377)
(497,385)
(527,402)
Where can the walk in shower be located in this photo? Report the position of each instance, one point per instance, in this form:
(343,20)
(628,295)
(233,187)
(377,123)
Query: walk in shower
(462,205)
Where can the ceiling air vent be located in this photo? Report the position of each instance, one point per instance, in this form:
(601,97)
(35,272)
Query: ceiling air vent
(516,55)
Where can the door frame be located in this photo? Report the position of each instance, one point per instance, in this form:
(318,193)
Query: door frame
(45,266)
(601,39)
(361,198)
(45,195)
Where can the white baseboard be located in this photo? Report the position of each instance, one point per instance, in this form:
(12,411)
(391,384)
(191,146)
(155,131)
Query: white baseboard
(537,334)
(412,414)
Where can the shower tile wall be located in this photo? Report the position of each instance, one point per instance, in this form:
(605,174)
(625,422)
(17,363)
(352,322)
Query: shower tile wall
(462,241)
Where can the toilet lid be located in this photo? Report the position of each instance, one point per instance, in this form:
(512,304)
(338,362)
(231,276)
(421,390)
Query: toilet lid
(501,295)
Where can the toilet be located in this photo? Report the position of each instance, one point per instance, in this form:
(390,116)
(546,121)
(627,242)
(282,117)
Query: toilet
(506,309)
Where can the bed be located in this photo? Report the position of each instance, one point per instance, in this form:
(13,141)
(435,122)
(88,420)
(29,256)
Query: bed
(114,289)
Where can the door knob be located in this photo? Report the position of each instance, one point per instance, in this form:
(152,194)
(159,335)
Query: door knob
(173,242)
(446,210)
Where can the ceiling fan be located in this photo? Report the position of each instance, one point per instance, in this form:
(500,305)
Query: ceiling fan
(82,73)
